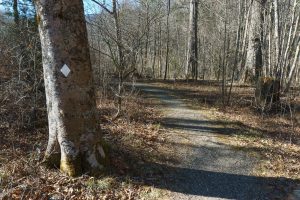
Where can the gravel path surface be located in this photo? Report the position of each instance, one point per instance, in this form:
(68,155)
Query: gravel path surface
(209,169)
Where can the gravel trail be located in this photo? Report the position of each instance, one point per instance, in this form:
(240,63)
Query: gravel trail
(209,169)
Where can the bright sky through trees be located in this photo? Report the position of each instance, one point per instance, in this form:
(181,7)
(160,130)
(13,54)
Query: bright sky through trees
(89,7)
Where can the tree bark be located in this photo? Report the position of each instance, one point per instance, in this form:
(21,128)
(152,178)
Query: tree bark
(147,35)
(269,70)
(160,51)
(70,96)
(254,60)
(246,18)
(291,38)
(293,67)
(192,54)
(154,52)
(16,12)
(168,41)
(236,54)
(276,37)
(224,57)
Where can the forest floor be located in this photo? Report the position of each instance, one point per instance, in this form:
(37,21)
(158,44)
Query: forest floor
(133,141)
(174,141)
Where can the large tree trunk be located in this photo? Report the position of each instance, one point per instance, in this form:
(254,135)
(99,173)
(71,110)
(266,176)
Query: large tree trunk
(73,130)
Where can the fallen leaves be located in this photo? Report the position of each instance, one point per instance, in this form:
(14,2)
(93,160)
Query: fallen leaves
(136,132)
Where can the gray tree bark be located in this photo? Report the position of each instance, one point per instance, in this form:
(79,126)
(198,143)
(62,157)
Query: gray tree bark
(192,54)
(276,36)
(293,67)
(237,47)
(168,41)
(73,132)
(254,60)
(16,12)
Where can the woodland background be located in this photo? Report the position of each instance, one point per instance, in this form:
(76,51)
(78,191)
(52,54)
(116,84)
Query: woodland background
(154,38)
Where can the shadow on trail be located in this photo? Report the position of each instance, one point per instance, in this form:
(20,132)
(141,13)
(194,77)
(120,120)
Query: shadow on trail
(217,184)
(201,126)
(206,183)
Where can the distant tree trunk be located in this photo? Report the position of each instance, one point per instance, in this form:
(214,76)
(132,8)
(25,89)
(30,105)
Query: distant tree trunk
(168,41)
(293,67)
(189,44)
(291,39)
(74,135)
(267,89)
(16,12)
(224,57)
(219,65)
(243,69)
(269,70)
(192,54)
(237,47)
(196,60)
(254,60)
(276,38)
(121,60)
(160,51)
(154,53)
(147,36)
(204,68)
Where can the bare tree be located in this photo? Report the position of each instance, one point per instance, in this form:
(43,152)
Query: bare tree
(16,12)
(276,36)
(192,54)
(293,69)
(168,39)
(254,61)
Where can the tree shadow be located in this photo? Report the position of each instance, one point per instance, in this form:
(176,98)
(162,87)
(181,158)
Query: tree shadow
(201,126)
(205,178)
(220,185)
(201,182)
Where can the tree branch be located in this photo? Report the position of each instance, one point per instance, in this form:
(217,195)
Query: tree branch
(102,6)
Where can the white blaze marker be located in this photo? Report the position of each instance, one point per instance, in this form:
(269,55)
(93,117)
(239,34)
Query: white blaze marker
(65,70)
